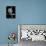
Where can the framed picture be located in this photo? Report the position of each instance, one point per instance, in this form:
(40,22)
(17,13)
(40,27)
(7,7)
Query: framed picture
(11,12)
(32,32)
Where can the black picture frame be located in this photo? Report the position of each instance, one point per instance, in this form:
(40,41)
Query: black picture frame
(11,12)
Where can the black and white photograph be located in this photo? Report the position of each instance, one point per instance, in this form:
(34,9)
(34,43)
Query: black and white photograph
(31,34)
(11,12)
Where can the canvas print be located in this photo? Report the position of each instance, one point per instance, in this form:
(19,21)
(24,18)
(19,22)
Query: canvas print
(11,12)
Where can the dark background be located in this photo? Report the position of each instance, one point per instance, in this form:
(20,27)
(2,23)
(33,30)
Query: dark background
(14,11)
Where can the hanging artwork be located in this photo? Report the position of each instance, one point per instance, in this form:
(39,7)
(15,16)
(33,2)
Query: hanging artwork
(11,12)
(11,37)
(33,32)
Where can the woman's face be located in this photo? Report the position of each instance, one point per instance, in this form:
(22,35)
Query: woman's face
(10,11)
